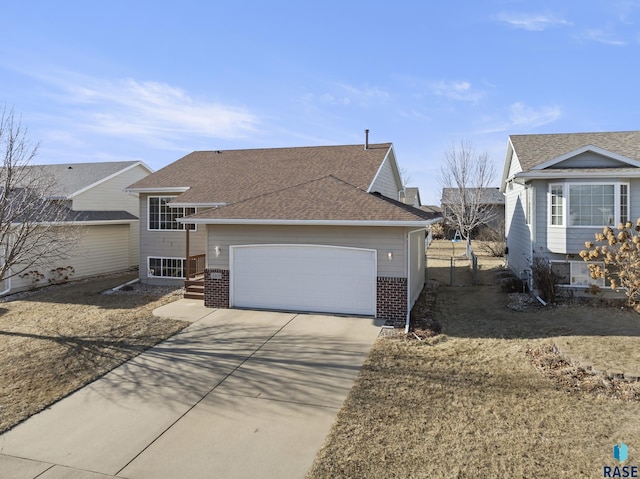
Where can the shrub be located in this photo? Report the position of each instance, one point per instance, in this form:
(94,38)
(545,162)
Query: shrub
(61,274)
(619,252)
(34,277)
(545,280)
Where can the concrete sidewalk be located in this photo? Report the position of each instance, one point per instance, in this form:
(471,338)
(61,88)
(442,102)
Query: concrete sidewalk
(236,394)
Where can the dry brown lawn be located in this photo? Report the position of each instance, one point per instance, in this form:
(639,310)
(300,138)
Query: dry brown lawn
(56,340)
(470,403)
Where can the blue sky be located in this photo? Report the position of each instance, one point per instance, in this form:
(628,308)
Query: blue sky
(152,81)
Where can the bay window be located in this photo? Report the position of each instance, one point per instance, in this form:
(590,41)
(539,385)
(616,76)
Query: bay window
(588,204)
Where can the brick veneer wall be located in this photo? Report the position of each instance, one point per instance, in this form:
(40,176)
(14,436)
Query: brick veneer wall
(216,291)
(391,296)
(392,301)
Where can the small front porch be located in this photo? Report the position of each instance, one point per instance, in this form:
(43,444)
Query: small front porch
(194,276)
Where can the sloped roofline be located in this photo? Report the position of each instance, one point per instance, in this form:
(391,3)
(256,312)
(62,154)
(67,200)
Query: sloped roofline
(394,167)
(507,165)
(584,149)
(107,178)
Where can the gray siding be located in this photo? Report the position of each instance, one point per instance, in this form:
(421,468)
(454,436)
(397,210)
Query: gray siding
(517,230)
(570,240)
(381,239)
(386,182)
(589,159)
(165,244)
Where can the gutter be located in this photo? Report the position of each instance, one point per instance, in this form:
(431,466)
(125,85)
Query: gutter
(409,305)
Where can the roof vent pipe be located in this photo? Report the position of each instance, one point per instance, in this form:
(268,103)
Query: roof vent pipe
(366,139)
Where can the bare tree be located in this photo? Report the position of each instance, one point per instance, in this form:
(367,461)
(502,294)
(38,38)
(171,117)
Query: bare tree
(34,222)
(465,177)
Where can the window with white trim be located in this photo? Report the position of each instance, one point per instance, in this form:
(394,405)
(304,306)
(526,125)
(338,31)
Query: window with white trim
(588,204)
(575,273)
(557,205)
(167,268)
(162,217)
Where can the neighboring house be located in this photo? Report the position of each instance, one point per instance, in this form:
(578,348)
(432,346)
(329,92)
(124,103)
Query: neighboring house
(108,240)
(412,196)
(490,200)
(305,229)
(563,188)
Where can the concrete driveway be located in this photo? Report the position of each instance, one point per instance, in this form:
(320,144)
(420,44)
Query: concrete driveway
(238,394)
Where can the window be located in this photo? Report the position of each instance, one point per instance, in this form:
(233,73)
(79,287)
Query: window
(557,203)
(624,203)
(589,204)
(167,268)
(575,273)
(163,217)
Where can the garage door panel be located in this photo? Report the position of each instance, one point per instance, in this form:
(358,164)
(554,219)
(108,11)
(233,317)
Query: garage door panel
(304,277)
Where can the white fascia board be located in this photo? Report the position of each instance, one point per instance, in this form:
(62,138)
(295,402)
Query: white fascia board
(584,149)
(177,204)
(507,166)
(165,189)
(204,221)
(82,223)
(107,178)
(549,174)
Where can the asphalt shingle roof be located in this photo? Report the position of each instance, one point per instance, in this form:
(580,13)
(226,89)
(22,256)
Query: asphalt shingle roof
(326,199)
(72,177)
(533,150)
(230,176)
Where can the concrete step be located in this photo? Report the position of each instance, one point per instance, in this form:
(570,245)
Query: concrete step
(193,295)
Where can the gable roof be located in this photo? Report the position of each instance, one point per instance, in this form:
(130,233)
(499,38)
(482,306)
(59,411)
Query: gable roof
(536,150)
(71,178)
(334,202)
(221,177)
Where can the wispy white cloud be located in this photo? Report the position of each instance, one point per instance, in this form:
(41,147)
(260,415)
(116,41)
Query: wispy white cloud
(155,110)
(345,95)
(457,90)
(518,116)
(533,22)
(524,116)
(151,113)
(605,36)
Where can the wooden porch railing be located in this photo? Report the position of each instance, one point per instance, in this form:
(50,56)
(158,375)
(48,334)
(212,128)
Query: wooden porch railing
(195,265)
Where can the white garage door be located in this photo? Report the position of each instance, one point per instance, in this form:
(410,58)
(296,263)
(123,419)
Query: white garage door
(328,279)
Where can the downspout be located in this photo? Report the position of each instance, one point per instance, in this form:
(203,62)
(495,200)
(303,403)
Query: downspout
(408,318)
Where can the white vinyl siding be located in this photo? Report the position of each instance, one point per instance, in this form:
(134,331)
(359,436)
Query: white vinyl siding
(99,250)
(110,195)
